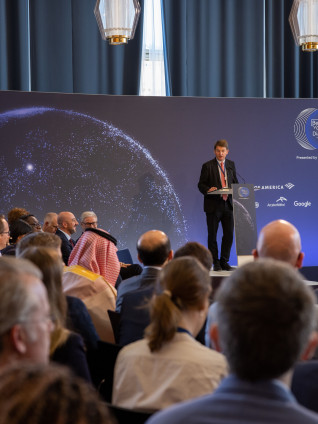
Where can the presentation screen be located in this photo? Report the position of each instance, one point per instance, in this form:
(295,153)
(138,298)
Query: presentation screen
(136,161)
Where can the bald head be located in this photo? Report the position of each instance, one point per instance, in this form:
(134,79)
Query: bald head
(280,240)
(67,222)
(154,248)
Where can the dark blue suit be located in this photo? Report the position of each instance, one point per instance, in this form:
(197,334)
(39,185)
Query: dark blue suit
(146,278)
(240,402)
(305,384)
(66,247)
(217,210)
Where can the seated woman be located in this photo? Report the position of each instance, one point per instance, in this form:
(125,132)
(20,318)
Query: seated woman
(91,276)
(67,347)
(169,365)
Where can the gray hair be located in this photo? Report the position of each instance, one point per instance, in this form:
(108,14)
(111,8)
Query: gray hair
(88,214)
(39,240)
(16,301)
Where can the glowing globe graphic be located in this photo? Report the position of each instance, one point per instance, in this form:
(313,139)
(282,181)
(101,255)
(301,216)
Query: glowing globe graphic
(53,160)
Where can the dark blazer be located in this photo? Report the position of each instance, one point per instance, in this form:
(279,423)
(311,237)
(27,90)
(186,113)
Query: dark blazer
(79,320)
(305,384)
(210,177)
(134,316)
(147,277)
(72,355)
(66,247)
(239,402)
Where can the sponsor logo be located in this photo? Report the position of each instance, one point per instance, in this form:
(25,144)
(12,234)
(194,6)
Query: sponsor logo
(306,130)
(243,192)
(256,205)
(306,204)
(279,202)
(289,186)
(281,199)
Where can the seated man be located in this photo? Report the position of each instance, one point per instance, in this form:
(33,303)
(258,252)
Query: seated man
(78,318)
(50,223)
(25,321)
(266,317)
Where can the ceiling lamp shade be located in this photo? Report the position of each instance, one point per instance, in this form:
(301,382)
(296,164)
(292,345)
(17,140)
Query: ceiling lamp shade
(303,20)
(117,19)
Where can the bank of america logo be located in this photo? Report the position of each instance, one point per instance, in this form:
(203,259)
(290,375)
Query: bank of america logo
(289,185)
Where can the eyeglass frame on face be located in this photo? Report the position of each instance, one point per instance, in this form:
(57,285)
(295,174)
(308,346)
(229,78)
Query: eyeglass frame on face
(47,320)
(90,224)
(5,232)
(36,224)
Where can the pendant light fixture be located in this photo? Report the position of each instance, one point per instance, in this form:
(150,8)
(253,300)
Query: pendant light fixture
(117,19)
(303,20)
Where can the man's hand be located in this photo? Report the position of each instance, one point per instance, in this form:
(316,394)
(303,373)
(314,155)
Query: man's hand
(212,189)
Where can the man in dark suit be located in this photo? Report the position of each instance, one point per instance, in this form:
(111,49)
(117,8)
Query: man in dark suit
(215,174)
(67,226)
(154,250)
(262,337)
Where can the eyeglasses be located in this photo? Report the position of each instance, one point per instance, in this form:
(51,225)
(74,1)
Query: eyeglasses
(36,224)
(5,232)
(90,224)
(47,319)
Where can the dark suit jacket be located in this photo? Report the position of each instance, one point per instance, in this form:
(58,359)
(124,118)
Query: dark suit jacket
(239,402)
(305,384)
(134,316)
(66,246)
(147,277)
(79,320)
(210,177)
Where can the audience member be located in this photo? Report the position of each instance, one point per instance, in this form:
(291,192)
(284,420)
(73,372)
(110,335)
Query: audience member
(89,220)
(78,318)
(66,227)
(154,251)
(25,316)
(15,213)
(196,250)
(277,240)
(39,239)
(18,229)
(66,348)
(33,221)
(280,240)
(4,233)
(50,223)
(91,274)
(266,320)
(48,395)
(169,365)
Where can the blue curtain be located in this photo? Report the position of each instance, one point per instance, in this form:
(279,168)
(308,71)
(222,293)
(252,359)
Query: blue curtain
(214,47)
(290,72)
(14,54)
(67,53)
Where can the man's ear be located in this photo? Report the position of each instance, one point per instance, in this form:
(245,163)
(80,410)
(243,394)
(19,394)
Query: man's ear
(299,262)
(170,255)
(18,339)
(309,351)
(214,335)
(255,253)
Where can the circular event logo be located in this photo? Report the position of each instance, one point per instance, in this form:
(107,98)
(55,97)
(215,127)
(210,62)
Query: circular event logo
(306,129)
(243,192)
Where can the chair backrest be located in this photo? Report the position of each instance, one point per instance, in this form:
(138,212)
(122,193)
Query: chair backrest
(114,318)
(102,364)
(124,415)
(124,256)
